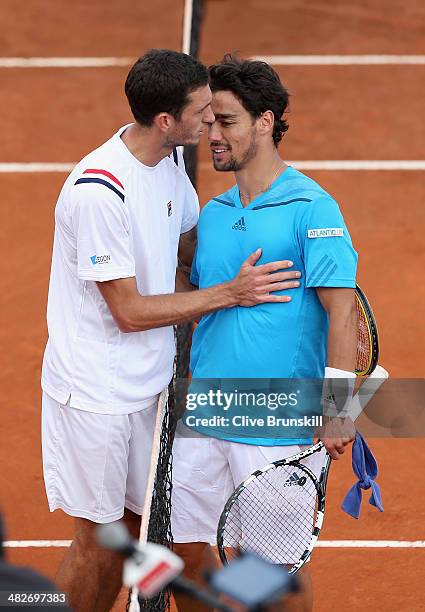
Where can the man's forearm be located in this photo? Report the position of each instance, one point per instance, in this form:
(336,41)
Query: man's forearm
(342,339)
(254,284)
(148,312)
(339,380)
(340,305)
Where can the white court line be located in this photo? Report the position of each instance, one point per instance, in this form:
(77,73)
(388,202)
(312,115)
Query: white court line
(276,60)
(341,60)
(342,164)
(35,167)
(37,543)
(64,62)
(370,544)
(320,544)
(401,164)
(334,164)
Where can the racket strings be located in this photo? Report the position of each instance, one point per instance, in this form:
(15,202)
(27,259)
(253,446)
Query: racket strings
(273,516)
(260,541)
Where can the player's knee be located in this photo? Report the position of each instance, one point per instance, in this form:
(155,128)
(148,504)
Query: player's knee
(84,533)
(197,556)
(192,553)
(189,549)
(86,548)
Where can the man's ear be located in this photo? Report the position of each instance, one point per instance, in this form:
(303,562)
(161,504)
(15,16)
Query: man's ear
(266,122)
(164,122)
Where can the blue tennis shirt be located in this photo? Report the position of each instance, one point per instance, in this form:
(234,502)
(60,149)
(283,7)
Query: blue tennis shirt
(294,220)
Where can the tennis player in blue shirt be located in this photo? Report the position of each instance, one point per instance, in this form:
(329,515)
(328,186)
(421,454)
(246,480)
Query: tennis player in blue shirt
(289,216)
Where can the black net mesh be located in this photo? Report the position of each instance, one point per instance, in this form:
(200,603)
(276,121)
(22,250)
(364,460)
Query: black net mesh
(184,341)
(159,530)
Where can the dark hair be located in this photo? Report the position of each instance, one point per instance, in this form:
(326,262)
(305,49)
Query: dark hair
(256,85)
(160,82)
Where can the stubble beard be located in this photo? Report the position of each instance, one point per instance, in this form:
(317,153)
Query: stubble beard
(183,138)
(234,165)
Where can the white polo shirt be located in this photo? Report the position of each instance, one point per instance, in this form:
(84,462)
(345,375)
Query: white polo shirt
(115,218)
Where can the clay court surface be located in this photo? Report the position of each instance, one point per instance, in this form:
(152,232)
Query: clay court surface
(337,113)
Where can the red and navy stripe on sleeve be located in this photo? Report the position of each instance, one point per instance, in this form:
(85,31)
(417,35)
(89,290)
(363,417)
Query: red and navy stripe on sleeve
(108,180)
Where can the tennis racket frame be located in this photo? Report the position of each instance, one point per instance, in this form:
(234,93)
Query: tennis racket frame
(319,484)
(373,371)
(356,407)
(363,305)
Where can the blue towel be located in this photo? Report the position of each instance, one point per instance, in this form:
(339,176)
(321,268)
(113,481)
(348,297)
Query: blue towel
(366,469)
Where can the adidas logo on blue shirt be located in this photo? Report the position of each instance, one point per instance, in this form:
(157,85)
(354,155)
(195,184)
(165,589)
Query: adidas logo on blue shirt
(240,225)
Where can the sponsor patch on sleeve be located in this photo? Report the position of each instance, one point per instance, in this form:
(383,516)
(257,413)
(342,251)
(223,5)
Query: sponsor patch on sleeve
(100,259)
(325,232)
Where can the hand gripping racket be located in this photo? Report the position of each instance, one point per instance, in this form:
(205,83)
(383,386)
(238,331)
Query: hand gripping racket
(277,512)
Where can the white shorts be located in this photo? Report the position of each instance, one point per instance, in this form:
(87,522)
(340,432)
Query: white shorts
(206,471)
(96,464)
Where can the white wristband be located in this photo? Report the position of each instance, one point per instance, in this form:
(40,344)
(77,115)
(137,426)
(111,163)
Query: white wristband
(335,373)
(337,391)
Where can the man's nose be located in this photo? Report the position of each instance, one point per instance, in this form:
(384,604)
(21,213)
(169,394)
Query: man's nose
(214,133)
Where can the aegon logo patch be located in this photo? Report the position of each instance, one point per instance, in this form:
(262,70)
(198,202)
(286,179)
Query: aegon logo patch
(325,232)
(100,259)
